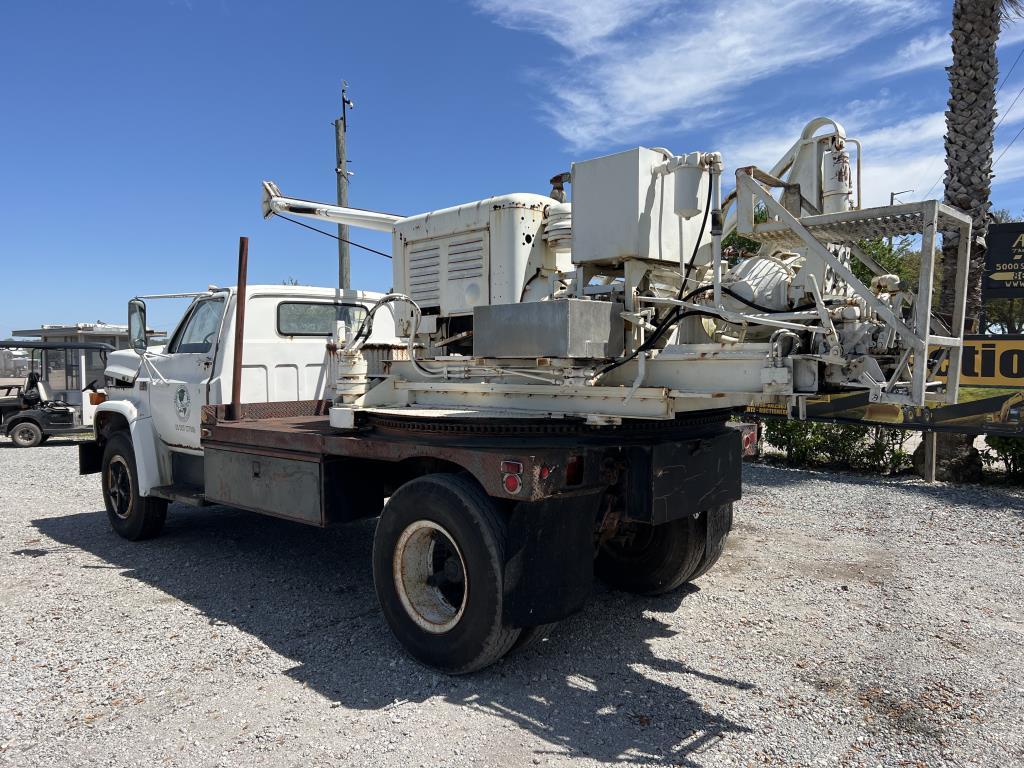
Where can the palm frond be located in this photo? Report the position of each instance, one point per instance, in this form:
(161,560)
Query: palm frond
(1011,10)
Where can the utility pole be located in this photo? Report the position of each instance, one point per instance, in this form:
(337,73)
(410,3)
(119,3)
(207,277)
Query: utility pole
(341,169)
(892,202)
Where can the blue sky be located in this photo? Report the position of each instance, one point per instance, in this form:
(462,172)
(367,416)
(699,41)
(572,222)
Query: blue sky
(134,134)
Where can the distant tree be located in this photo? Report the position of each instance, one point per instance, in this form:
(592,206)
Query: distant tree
(736,246)
(897,258)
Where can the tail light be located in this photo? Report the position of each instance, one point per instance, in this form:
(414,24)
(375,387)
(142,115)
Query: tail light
(574,471)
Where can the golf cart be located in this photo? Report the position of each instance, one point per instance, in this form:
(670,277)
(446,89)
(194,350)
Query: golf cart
(31,410)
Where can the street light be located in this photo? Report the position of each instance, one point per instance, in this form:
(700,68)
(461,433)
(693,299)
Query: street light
(892,202)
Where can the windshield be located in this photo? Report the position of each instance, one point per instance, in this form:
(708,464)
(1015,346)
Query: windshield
(200,327)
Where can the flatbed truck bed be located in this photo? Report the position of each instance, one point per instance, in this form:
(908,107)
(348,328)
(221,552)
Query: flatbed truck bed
(552,502)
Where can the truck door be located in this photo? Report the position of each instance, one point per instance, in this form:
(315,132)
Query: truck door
(178,394)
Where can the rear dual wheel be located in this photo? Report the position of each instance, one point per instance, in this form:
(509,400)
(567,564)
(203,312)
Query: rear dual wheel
(438,560)
(654,559)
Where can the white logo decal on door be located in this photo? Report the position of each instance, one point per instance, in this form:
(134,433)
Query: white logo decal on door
(183,403)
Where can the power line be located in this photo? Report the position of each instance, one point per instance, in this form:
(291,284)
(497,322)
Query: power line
(328,234)
(1007,147)
(926,194)
(1021,53)
(1010,108)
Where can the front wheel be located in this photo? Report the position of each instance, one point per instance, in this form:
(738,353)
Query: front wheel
(132,516)
(654,559)
(26,434)
(438,563)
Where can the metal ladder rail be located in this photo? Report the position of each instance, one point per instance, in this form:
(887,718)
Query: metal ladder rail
(902,219)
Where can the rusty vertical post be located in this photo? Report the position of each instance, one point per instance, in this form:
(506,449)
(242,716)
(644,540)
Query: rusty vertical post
(930,439)
(236,363)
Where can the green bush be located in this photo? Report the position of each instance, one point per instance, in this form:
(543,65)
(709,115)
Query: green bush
(885,451)
(852,446)
(796,438)
(1010,451)
(841,444)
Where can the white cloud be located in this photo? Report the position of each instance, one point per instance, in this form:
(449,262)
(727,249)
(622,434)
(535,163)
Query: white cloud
(932,50)
(636,67)
(899,154)
(578,25)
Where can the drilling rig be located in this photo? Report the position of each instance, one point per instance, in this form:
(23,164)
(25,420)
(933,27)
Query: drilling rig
(543,396)
(620,304)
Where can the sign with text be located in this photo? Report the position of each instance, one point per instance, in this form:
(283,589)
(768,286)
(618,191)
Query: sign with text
(992,362)
(1004,262)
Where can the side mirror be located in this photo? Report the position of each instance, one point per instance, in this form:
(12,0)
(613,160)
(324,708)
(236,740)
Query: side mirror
(137,325)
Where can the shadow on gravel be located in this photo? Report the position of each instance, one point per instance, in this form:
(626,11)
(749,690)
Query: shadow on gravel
(53,442)
(595,688)
(984,496)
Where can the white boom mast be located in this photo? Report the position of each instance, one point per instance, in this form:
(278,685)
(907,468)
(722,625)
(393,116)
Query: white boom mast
(274,202)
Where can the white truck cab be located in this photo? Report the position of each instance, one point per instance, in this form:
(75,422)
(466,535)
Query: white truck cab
(157,392)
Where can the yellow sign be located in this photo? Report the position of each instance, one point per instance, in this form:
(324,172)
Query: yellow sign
(993,363)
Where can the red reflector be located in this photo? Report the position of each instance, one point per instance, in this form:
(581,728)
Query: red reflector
(574,471)
(544,472)
(512,483)
(511,468)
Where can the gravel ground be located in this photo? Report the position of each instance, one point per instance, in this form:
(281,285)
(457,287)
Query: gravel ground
(852,621)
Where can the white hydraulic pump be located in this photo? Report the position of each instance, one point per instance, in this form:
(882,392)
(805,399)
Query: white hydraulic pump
(621,304)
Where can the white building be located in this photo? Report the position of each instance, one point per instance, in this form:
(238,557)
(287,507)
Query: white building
(68,371)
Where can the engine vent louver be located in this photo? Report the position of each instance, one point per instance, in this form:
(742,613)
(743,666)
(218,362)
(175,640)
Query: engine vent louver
(450,273)
(466,259)
(425,275)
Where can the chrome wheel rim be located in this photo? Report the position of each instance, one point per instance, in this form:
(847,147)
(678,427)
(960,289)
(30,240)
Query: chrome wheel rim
(119,487)
(430,576)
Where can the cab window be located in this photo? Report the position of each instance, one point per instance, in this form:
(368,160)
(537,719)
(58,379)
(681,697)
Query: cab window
(302,318)
(201,327)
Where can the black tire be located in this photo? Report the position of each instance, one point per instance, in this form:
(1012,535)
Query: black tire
(440,541)
(718,523)
(651,559)
(654,559)
(132,516)
(26,434)
(531,636)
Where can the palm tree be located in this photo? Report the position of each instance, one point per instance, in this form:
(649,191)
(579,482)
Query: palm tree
(970,134)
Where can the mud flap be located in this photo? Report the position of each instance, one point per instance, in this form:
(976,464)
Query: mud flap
(549,562)
(671,480)
(90,458)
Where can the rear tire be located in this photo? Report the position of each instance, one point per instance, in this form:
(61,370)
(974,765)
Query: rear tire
(531,636)
(654,559)
(718,523)
(438,563)
(132,516)
(26,434)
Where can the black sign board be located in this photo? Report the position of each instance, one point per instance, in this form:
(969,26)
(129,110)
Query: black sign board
(1004,262)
